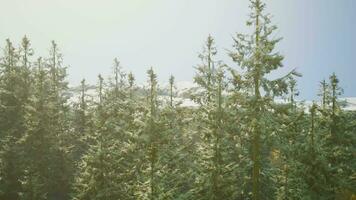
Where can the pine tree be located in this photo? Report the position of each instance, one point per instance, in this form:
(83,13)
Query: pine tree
(96,166)
(92,180)
(176,159)
(210,77)
(152,131)
(107,171)
(337,143)
(82,122)
(15,87)
(61,170)
(335,92)
(38,141)
(324,93)
(121,106)
(293,93)
(291,123)
(255,54)
(315,165)
(171,93)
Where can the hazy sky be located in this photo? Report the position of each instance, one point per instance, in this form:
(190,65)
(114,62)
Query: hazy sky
(319,35)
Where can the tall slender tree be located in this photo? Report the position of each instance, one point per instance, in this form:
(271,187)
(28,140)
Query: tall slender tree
(15,88)
(61,170)
(324,93)
(210,77)
(153,131)
(38,141)
(256,56)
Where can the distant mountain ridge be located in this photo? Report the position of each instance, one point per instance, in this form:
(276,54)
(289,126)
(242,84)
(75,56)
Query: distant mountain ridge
(183,89)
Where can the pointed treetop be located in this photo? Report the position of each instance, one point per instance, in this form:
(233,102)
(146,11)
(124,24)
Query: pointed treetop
(152,76)
(131,79)
(171,80)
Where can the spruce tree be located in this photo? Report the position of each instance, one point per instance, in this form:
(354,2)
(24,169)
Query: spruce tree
(338,143)
(96,166)
(82,122)
(38,141)
(324,93)
(61,170)
(152,133)
(15,88)
(176,173)
(256,56)
(107,171)
(210,77)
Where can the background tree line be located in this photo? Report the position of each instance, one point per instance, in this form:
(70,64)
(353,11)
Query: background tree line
(135,143)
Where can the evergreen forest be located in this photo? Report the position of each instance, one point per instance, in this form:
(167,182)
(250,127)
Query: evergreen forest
(132,141)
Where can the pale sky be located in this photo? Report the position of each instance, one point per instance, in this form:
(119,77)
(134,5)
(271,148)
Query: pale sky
(319,35)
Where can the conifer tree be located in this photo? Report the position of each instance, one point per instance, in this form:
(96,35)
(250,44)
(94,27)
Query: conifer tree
(92,181)
(171,94)
(324,93)
(97,165)
(38,141)
(61,170)
(176,160)
(152,131)
(82,122)
(338,143)
(210,77)
(290,121)
(255,54)
(293,92)
(124,119)
(15,85)
(107,171)
(315,165)
(335,92)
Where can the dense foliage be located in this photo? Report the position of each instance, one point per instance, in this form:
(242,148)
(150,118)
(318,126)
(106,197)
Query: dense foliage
(130,142)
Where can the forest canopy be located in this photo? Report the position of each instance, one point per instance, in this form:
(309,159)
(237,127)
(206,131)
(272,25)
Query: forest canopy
(139,142)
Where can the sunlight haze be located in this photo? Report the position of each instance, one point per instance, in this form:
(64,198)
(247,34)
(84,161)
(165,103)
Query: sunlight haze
(168,34)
